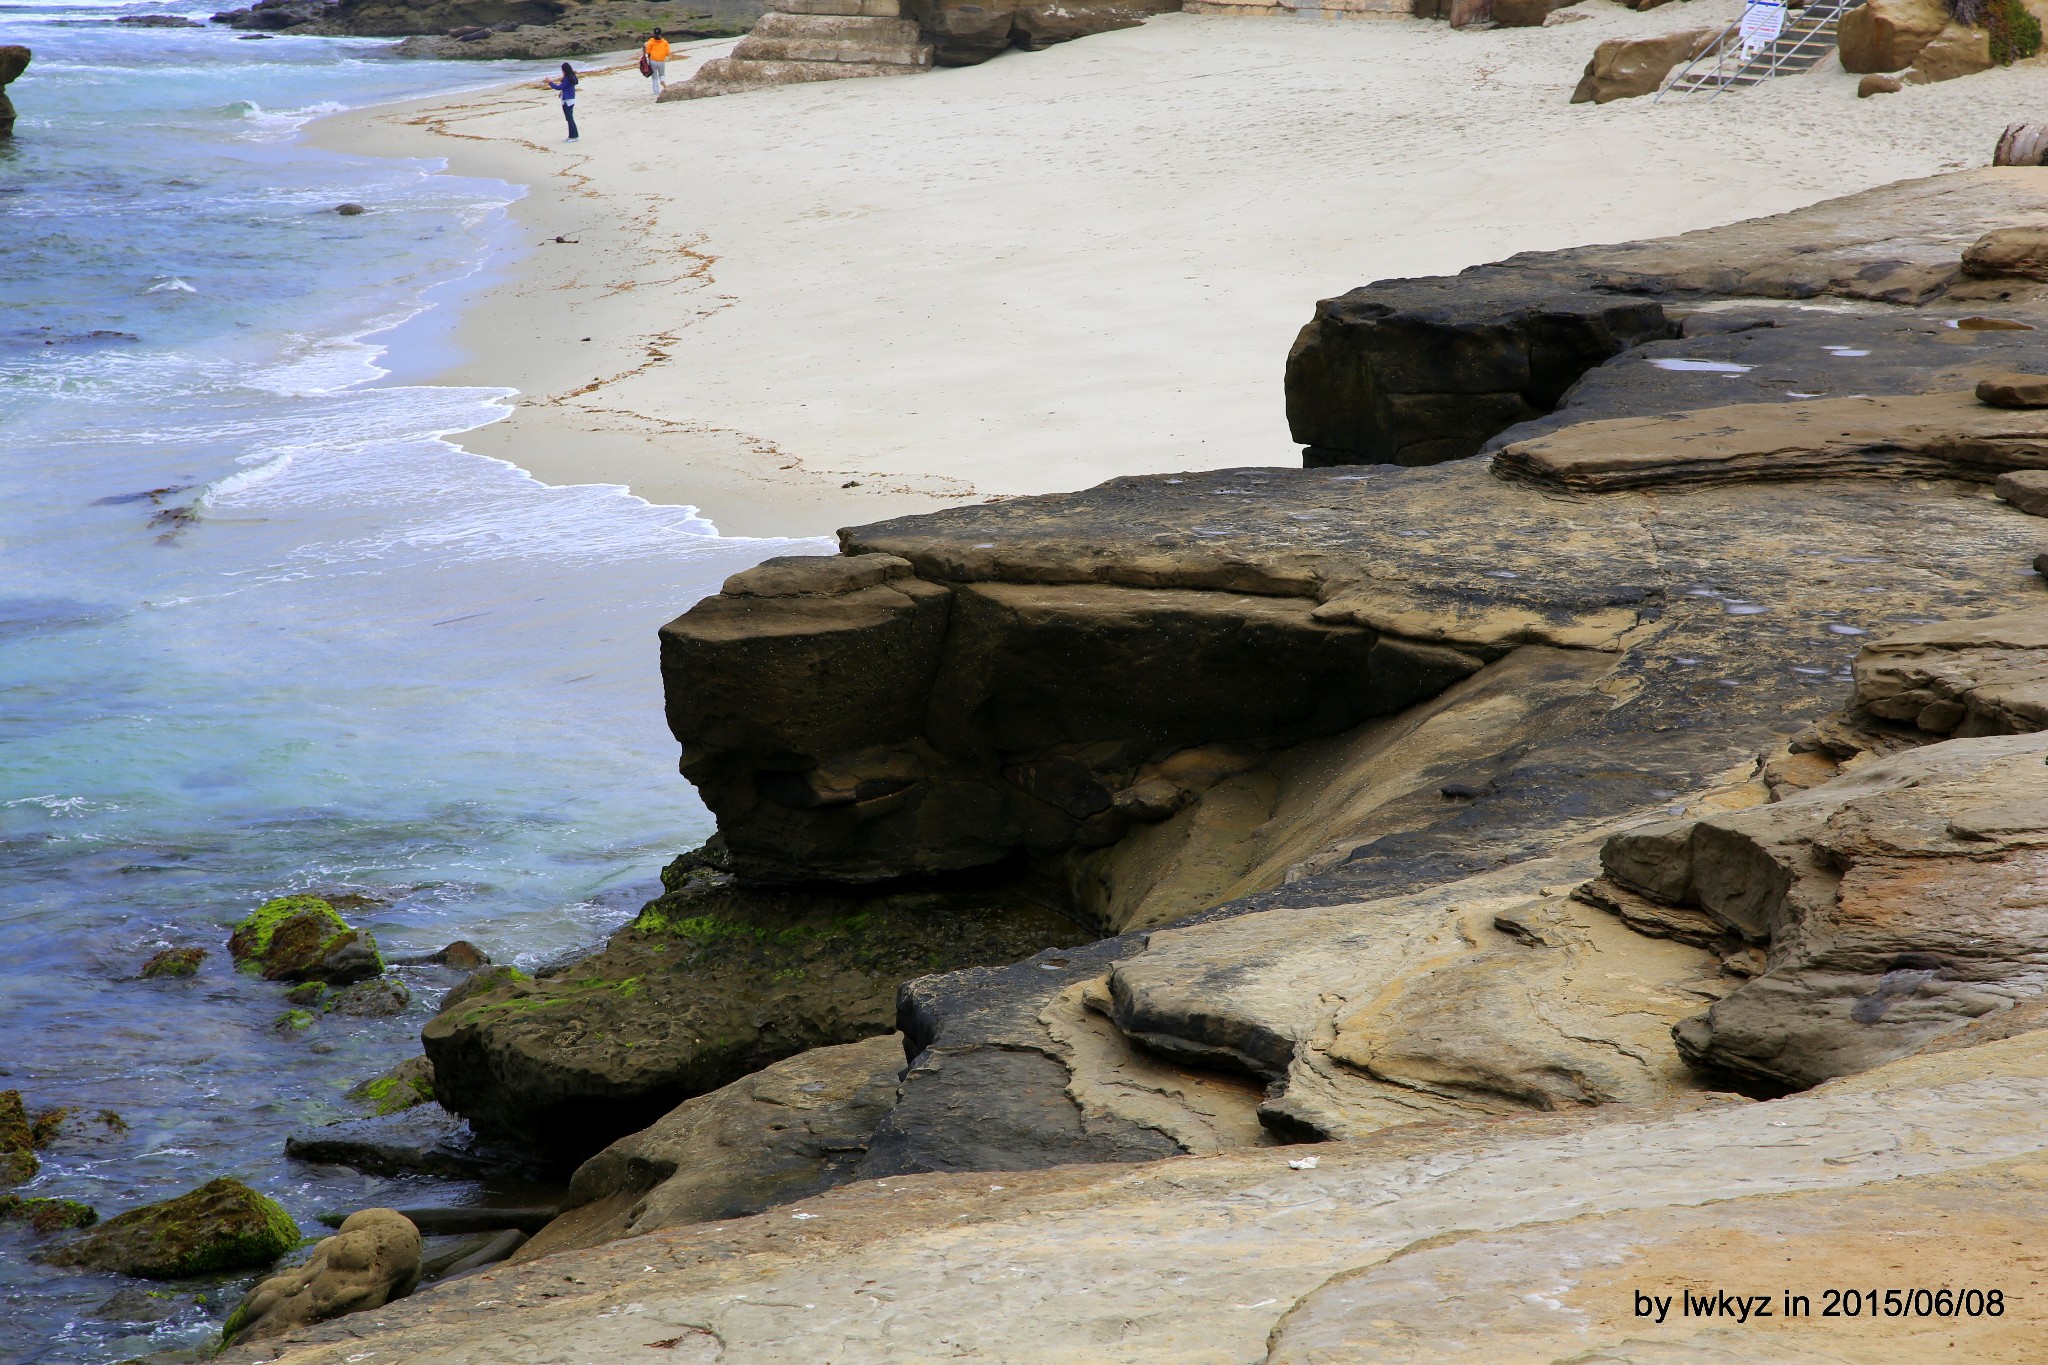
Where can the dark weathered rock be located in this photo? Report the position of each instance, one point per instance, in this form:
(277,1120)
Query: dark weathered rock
(173,962)
(17,1141)
(373,1259)
(13,61)
(301,938)
(378,998)
(222,1225)
(784,1133)
(965,32)
(47,1216)
(1417,371)
(712,981)
(415,1140)
(495,29)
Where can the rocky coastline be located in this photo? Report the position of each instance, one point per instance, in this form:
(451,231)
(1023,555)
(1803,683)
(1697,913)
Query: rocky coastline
(1259,907)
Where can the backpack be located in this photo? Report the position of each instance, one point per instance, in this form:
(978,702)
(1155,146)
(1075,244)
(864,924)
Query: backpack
(646,67)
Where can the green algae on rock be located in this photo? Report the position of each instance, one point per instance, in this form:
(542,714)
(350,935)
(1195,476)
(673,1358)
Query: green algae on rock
(301,938)
(47,1215)
(222,1225)
(715,979)
(17,1141)
(173,962)
(409,1083)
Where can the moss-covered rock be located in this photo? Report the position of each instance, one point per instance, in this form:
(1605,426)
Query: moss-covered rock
(222,1225)
(484,979)
(293,1022)
(409,1083)
(74,1129)
(173,962)
(302,938)
(47,1215)
(377,999)
(17,1141)
(712,981)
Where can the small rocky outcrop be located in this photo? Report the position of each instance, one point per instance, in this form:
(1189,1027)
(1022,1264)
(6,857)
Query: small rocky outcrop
(813,40)
(47,1216)
(712,981)
(373,1259)
(409,1083)
(1894,904)
(784,1133)
(222,1225)
(13,61)
(173,962)
(1960,678)
(1930,40)
(1627,68)
(301,938)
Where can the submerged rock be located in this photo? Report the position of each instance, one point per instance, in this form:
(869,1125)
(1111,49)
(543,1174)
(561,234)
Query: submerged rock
(173,962)
(47,1216)
(415,1139)
(784,1133)
(379,998)
(17,1141)
(222,1225)
(301,938)
(13,61)
(373,1259)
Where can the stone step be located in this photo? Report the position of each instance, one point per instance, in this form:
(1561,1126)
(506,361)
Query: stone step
(835,39)
(866,9)
(734,75)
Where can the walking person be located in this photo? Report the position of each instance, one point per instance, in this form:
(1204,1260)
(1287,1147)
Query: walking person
(567,85)
(654,61)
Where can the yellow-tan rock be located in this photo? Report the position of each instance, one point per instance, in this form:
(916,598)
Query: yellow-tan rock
(372,1259)
(1886,35)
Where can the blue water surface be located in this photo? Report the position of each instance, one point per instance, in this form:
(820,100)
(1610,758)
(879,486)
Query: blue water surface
(263,630)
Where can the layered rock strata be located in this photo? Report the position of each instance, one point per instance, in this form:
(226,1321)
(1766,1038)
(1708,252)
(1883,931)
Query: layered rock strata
(813,40)
(1425,370)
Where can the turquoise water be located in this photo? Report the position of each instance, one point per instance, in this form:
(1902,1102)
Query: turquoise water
(263,630)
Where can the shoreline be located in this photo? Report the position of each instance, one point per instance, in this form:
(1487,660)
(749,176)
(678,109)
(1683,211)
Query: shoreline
(825,305)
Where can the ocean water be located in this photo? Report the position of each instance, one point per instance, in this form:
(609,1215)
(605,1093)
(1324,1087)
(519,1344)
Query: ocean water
(263,629)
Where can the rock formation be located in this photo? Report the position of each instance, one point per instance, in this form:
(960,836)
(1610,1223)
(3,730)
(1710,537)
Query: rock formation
(497,29)
(301,938)
(372,1259)
(1930,40)
(1461,844)
(1628,68)
(813,40)
(222,1225)
(13,61)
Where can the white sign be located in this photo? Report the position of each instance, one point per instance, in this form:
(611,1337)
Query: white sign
(1762,22)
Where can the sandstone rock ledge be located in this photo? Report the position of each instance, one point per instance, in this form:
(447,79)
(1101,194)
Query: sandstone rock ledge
(1489,888)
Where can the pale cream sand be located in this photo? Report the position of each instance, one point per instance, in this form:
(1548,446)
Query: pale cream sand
(823,304)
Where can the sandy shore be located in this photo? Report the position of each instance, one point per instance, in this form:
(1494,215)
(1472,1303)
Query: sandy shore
(811,307)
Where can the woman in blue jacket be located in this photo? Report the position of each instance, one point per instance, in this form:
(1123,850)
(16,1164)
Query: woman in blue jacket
(567,85)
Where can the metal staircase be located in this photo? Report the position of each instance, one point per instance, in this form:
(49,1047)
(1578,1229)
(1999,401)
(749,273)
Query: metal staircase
(1723,65)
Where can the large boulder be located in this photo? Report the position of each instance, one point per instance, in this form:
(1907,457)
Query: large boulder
(784,1133)
(1625,68)
(965,32)
(301,938)
(222,1225)
(373,1259)
(13,61)
(1886,35)
(712,981)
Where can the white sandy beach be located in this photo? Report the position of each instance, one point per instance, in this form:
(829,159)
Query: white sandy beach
(824,304)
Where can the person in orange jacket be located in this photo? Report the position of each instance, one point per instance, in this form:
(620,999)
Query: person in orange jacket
(654,61)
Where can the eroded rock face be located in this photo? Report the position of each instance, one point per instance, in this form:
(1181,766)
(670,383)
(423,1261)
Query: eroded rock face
(1418,371)
(1896,903)
(222,1225)
(1960,678)
(967,32)
(372,1259)
(784,1133)
(711,982)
